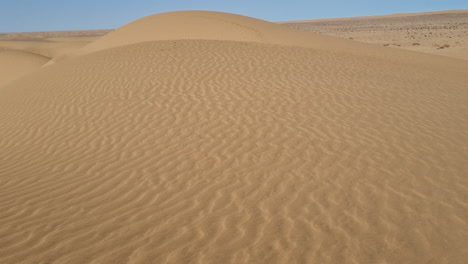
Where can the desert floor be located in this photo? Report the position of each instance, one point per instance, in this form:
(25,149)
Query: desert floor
(442,33)
(206,137)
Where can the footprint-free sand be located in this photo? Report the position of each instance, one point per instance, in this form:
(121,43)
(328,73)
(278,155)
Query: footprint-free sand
(232,140)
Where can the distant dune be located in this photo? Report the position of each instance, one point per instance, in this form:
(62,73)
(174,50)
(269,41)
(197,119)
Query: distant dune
(45,35)
(206,137)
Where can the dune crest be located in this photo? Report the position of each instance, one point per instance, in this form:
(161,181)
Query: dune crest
(15,63)
(208,25)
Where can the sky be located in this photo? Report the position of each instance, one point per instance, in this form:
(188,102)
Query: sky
(49,15)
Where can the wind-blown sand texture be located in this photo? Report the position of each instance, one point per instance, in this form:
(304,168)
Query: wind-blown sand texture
(443,33)
(234,151)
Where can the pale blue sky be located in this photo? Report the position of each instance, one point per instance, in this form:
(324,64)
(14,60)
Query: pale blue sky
(46,15)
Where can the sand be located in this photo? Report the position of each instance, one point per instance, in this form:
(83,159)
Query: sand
(24,53)
(443,33)
(236,150)
(14,64)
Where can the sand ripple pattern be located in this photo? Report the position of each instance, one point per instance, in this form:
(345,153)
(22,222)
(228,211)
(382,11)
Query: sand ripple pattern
(229,152)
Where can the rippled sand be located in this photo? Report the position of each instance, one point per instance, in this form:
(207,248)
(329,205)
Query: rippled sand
(258,149)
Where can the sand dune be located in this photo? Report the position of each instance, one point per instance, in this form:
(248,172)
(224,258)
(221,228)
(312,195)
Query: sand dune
(24,53)
(47,35)
(14,64)
(202,25)
(236,150)
(52,48)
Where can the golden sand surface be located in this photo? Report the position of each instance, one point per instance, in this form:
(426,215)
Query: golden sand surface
(15,63)
(242,142)
(23,53)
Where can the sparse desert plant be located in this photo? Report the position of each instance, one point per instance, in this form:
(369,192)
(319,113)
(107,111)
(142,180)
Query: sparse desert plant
(385,45)
(416,44)
(443,46)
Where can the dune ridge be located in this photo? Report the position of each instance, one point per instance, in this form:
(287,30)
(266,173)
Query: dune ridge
(234,151)
(24,53)
(194,25)
(207,25)
(14,64)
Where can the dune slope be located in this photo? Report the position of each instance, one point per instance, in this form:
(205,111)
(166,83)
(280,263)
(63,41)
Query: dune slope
(51,48)
(27,52)
(204,151)
(15,63)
